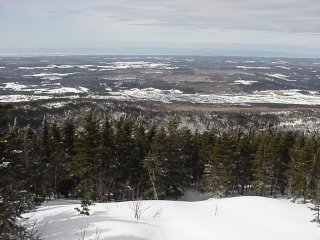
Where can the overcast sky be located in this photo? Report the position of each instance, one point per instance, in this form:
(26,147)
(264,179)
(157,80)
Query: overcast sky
(294,24)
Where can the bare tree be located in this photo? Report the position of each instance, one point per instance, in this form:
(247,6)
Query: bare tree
(81,234)
(137,204)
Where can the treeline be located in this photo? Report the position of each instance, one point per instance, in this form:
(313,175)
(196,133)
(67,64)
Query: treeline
(112,160)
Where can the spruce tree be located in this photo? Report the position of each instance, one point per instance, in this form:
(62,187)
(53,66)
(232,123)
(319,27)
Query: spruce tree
(124,148)
(300,171)
(68,142)
(109,167)
(176,164)
(155,164)
(316,202)
(243,168)
(141,149)
(286,142)
(219,177)
(57,160)
(84,163)
(15,197)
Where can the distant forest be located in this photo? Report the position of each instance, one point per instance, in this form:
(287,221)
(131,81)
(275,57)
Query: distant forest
(105,159)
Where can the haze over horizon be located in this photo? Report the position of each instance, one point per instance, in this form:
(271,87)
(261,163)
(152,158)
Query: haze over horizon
(289,28)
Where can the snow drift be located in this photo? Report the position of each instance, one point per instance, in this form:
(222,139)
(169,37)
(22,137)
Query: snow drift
(241,218)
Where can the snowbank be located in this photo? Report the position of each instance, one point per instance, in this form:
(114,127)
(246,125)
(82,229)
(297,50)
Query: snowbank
(241,218)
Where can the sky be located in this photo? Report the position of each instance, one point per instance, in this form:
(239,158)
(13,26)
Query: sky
(226,27)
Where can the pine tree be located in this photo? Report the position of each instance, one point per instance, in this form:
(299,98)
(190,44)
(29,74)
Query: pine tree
(243,168)
(84,163)
(207,140)
(44,140)
(266,164)
(189,156)
(108,166)
(68,137)
(286,142)
(84,191)
(155,164)
(68,142)
(141,149)
(314,148)
(176,164)
(45,168)
(197,159)
(301,166)
(33,170)
(15,199)
(219,178)
(316,202)
(87,147)
(124,149)
(57,160)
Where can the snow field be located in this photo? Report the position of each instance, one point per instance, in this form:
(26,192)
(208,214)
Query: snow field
(241,218)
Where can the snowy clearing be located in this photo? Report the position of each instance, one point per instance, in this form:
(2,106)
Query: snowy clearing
(25,98)
(136,64)
(62,90)
(286,68)
(281,77)
(241,218)
(50,76)
(245,82)
(249,67)
(293,96)
(13,86)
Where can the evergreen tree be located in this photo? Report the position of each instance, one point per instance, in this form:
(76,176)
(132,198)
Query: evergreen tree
(84,163)
(155,164)
(45,167)
(44,140)
(219,178)
(124,151)
(286,142)
(301,166)
(141,149)
(15,199)
(176,164)
(33,170)
(108,165)
(68,142)
(68,137)
(197,159)
(84,191)
(316,202)
(243,168)
(57,160)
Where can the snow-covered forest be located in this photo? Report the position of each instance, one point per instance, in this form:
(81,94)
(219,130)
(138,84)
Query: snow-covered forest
(105,164)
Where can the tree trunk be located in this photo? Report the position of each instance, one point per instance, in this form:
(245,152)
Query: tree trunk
(152,179)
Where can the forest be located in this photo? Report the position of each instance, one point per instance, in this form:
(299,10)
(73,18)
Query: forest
(105,159)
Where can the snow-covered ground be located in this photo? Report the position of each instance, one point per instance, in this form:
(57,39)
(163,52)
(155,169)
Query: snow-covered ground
(241,218)
(293,96)
(135,64)
(251,67)
(281,77)
(244,82)
(50,76)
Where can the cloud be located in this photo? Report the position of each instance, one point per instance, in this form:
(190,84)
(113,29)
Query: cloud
(58,14)
(269,22)
(9,2)
(272,15)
